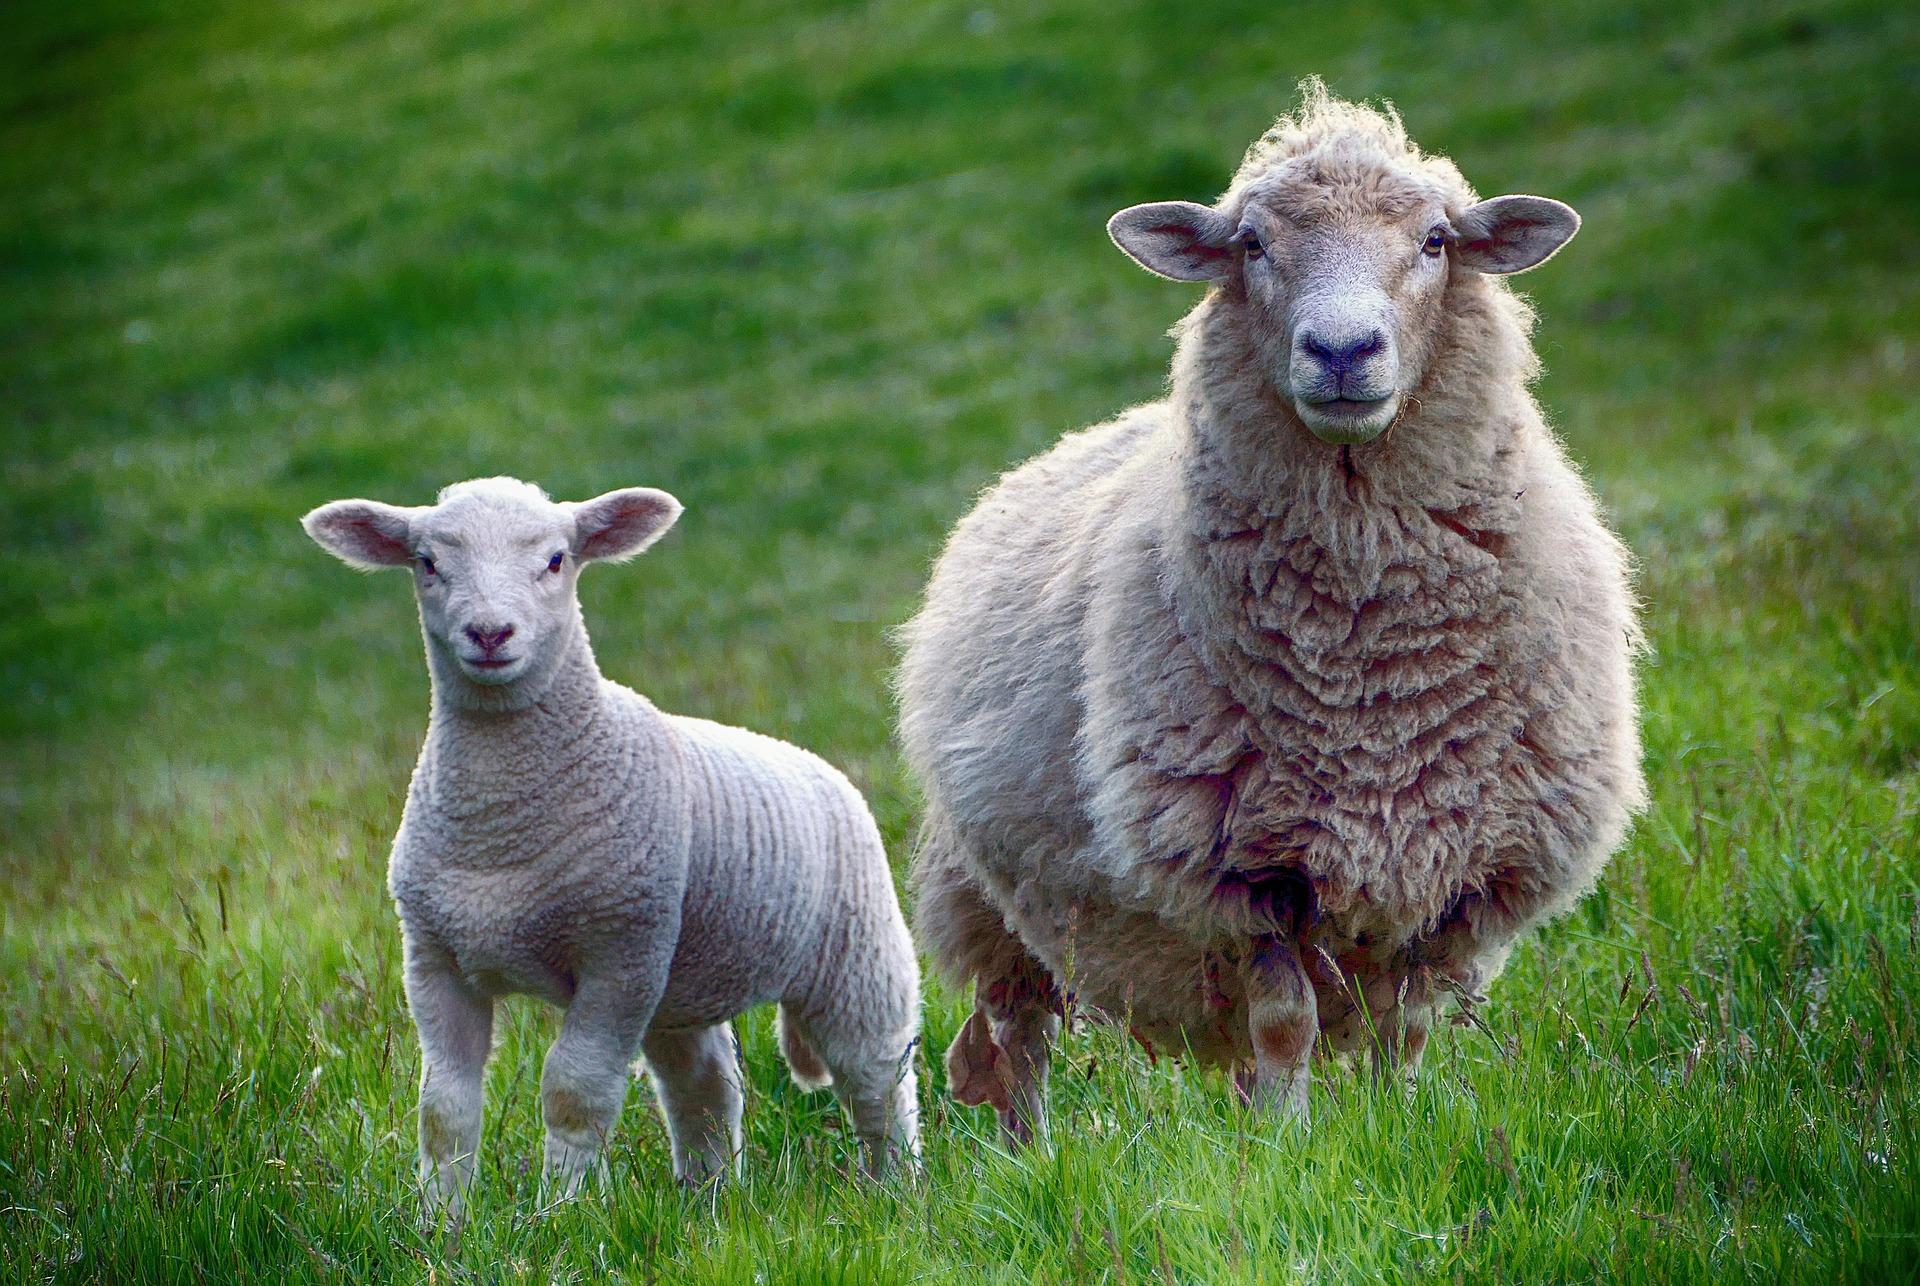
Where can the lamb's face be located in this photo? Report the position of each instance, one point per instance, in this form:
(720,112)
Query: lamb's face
(1333,271)
(495,577)
(495,567)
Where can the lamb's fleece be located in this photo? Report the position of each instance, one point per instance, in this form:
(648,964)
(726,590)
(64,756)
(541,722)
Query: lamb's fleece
(1195,681)
(654,874)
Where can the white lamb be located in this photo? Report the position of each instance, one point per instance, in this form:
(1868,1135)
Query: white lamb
(654,875)
(1264,714)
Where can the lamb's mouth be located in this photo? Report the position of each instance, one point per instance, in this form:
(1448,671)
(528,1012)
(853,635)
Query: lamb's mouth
(490,669)
(1348,421)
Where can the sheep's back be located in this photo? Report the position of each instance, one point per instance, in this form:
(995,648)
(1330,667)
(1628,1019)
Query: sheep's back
(991,676)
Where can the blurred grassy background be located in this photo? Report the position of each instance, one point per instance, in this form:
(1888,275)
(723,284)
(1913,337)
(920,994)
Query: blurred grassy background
(823,271)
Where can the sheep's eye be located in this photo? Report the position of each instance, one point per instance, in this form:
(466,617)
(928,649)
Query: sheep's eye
(553,564)
(426,564)
(1250,242)
(1435,243)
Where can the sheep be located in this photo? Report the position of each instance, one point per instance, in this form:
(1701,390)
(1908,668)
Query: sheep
(1270,715)
(654,875)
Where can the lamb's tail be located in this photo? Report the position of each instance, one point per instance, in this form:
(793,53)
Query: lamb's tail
(809,1073)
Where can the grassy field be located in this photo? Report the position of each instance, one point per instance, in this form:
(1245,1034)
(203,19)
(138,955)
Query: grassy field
(823,271)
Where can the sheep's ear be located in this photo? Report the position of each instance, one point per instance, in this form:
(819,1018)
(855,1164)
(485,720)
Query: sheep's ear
(1176,239)
(1513,233)
(622,523)
(363,533)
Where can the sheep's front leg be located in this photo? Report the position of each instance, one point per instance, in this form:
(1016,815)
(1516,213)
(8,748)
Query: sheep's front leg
(1401,1003)
(1283,1022)
(455,1023)
(584,1082)
(697,1076)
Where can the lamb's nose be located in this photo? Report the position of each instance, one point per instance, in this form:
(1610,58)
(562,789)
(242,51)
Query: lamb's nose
(1342,354)
(489,640)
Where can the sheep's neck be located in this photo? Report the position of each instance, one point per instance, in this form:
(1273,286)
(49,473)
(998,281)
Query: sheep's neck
(1326,578)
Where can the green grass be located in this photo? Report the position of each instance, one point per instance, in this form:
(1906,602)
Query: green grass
(823,272)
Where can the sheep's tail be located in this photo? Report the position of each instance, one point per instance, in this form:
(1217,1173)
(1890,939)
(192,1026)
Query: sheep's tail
(809,1073)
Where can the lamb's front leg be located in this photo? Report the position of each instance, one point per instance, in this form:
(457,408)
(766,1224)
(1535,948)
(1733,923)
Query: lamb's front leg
(1283,1022)
(584,1082)
(455,1023)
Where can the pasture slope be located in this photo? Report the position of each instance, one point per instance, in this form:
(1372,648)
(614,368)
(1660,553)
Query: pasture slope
(823,271)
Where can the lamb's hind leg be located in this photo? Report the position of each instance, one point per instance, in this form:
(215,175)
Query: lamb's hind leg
(696,1074)
(1283,1022)
(1002,1053)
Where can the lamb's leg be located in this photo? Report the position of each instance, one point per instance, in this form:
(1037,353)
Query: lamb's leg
(880,1095)
(584,1082)
(455,1023)
(697,1076)
(1283,1022)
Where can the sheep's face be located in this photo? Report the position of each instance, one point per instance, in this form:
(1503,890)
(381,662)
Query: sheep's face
(1334,276)
(495,567)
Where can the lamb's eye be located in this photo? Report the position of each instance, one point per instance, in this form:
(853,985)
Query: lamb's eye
(553,564)
(1435,243)
(426,564)
(1250,242)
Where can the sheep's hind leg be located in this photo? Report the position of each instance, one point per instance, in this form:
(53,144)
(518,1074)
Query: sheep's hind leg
(1004,1051)
(1283,1022)
(696,1074)
(455,1023)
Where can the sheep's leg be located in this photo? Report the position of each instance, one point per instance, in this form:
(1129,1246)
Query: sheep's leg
(1004,1053)
(1401,1002)
(1283,1022)
(697,1076)
(584,1082)
(455,1023)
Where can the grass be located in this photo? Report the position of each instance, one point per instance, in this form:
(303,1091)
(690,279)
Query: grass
(823,271)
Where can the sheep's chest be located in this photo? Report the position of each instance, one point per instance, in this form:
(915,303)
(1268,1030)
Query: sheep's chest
(1374,761)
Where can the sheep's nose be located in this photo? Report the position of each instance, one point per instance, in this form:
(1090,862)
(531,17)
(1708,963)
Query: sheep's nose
(1340,355)
(489,639)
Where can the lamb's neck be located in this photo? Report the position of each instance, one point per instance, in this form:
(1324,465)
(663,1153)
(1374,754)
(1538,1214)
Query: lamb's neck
(480,762)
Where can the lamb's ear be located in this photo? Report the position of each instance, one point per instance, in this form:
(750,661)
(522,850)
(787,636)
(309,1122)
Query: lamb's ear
(1513,233)
(363,533)
(1176,239)
(622,523)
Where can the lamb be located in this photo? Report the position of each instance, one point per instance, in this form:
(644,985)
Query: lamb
(652,874)
(1270,715)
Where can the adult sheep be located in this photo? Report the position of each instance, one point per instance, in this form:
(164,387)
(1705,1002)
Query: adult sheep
(1270,712)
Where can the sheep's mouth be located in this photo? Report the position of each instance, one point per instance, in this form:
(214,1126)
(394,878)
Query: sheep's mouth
(1348,421)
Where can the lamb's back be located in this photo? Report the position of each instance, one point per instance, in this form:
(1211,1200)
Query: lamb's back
(782,850)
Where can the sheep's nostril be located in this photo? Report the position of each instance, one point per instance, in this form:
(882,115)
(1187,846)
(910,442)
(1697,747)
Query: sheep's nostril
(1341,356)
(488,640)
